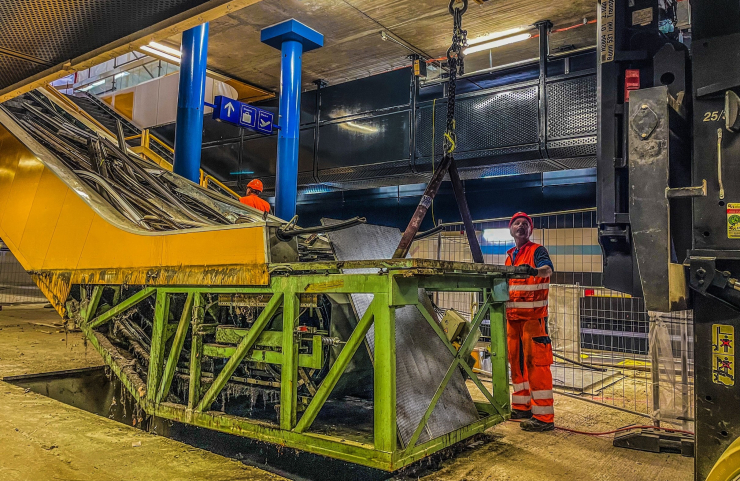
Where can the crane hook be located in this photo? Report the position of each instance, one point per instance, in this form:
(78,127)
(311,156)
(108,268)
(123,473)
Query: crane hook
(460,11)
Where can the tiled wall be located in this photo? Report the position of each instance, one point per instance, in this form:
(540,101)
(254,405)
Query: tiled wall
(571,239)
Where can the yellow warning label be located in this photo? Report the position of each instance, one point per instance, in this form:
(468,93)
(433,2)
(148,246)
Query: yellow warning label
(607,30)
(733,221)
(723,354)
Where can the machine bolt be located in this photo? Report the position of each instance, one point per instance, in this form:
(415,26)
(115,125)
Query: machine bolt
(644,135)
(643,106)
(701,272)
(701,282)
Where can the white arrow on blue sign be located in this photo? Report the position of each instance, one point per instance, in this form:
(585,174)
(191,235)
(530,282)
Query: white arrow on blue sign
(242,115)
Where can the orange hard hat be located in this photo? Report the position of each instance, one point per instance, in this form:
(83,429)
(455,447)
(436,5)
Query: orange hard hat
(256,184)
(521,214)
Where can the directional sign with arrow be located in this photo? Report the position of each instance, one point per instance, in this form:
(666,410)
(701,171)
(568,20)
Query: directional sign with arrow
(242,115)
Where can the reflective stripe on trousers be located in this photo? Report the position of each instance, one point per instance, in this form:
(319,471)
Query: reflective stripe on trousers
(525,305)
(542,394)
(520,399)
(528,287)
(542,410)
(521,386)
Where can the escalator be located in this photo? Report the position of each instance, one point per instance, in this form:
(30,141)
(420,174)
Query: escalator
(107,117)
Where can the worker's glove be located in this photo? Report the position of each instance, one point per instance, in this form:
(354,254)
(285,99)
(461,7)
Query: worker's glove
(533,271)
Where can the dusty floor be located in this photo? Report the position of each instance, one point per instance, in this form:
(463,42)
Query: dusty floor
(44,439)
(514,455)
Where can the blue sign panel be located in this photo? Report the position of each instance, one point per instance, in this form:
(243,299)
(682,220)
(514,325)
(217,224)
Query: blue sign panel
(242,115)
(264,122)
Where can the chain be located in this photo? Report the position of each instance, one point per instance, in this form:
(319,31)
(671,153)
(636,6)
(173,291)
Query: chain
(455,62)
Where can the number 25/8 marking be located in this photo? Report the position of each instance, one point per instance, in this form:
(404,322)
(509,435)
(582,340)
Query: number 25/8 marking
(714,116)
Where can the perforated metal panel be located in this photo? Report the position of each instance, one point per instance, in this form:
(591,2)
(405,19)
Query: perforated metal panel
(571,107)
(422,359)
(579,162)
(14,70)
(487,121)
(561,149)
(510,168)
(53,32)
(373,170)
(381,182)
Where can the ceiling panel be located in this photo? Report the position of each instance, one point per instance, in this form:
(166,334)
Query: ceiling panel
(353,45)
(49,32)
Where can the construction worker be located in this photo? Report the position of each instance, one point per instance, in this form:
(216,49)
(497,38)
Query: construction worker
(252,199)
(530,348)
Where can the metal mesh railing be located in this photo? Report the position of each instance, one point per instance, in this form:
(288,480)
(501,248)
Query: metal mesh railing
(16,286)
(606,344)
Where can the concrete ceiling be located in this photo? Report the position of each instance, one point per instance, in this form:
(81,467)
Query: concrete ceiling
(353,47)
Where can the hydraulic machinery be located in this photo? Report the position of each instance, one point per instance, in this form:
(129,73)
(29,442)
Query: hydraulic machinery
(669,187)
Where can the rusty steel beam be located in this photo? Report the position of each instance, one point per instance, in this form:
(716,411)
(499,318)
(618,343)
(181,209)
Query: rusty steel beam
(421,210)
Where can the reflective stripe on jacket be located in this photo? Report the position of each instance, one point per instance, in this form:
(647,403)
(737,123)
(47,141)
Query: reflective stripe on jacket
(527,297)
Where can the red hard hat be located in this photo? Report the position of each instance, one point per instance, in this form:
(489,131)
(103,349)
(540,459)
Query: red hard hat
(521,214)
(256,184)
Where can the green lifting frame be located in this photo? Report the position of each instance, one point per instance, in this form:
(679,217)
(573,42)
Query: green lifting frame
(395,285)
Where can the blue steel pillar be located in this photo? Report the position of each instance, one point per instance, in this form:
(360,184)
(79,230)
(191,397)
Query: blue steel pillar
(292,38)
(190,98)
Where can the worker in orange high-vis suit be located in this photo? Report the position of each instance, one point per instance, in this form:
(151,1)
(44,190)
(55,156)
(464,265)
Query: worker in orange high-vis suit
(530,349)
(252,199)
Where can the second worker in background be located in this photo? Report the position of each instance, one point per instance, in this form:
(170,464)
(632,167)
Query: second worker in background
(252,199)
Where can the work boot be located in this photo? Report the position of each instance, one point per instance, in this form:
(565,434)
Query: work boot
(519,414)
(536,426)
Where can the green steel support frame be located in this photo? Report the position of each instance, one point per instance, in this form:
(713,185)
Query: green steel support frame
(390,288)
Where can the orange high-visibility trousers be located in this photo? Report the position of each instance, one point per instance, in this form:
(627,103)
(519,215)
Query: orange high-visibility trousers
(530,356)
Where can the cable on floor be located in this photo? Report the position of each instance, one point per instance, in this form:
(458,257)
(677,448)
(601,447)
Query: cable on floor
(626,428)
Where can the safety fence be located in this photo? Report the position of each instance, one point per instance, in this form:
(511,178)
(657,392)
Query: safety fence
(608,349)
(16,286)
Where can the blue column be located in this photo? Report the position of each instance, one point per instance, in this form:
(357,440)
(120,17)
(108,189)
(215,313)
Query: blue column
(286,186)
(292,38)
(190,98)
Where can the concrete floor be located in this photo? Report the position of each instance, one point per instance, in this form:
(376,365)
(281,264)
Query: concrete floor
(44,439)
(514,455)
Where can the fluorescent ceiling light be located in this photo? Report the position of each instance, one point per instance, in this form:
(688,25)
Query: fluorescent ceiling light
(119,75)
(242,172)
(497,43)
(89,86)
(361,128)
(495,35)
(165,49)
(158,53)
(498,235)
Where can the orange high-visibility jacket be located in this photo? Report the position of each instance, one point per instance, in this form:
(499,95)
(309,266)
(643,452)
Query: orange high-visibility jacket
(527,297)
(253,200)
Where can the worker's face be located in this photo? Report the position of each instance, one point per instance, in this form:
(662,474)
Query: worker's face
(250,191)
(520,229)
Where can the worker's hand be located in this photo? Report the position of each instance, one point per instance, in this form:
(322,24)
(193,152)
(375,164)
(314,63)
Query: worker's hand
(544,271)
